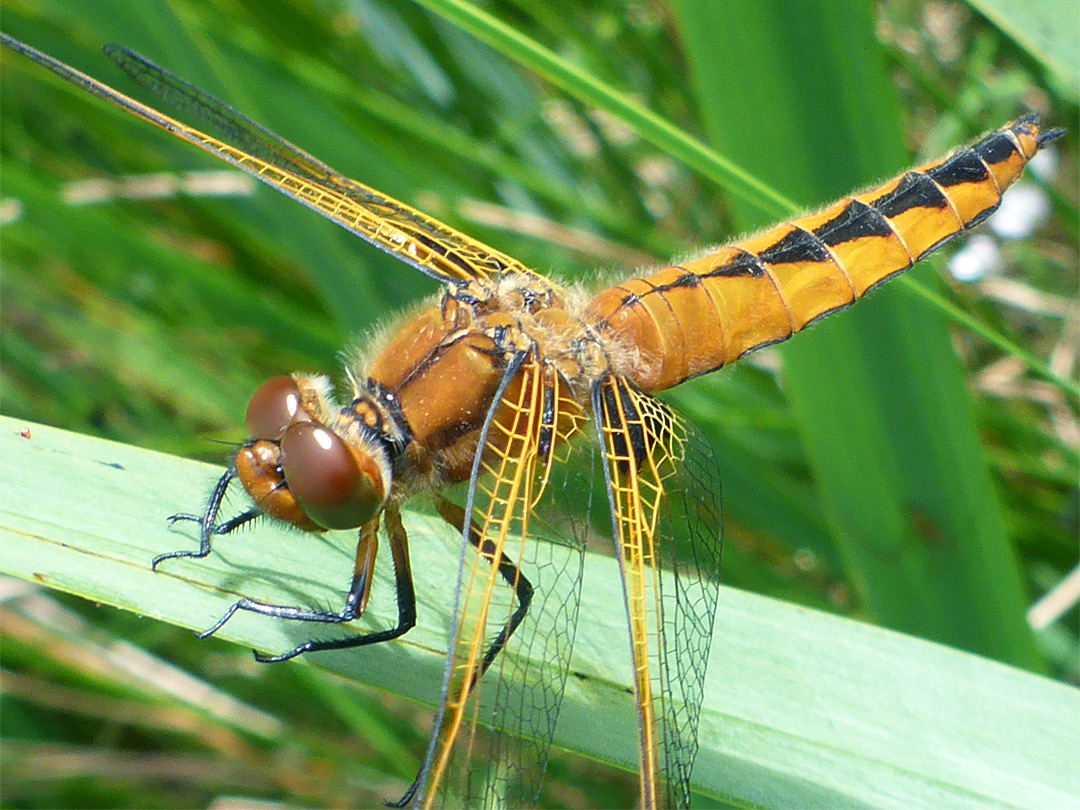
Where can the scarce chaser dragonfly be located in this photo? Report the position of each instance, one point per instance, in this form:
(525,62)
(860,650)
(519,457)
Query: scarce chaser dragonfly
(507,399)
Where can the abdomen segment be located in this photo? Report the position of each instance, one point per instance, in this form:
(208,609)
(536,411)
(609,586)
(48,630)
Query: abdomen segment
(693,318)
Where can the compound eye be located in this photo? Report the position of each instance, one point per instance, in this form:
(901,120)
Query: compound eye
(273,407)
(326,479)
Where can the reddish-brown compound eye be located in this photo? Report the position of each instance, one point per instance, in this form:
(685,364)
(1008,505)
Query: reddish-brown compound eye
(273,407)
(258,465)
(326,478)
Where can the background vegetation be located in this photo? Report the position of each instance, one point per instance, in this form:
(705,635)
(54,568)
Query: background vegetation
(884,466)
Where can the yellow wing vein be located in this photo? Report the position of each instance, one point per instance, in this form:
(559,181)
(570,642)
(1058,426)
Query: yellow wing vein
(508,465)
(421,241)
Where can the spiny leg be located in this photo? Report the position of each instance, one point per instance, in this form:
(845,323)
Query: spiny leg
(355,601)
(207,522)
(230,525)
(508,570)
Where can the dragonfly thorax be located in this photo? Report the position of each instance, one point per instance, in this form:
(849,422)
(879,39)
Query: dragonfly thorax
(441,369)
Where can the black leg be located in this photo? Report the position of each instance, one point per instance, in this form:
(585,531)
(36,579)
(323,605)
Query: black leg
(355,602)
(207,521)
(230,525)
(508,570)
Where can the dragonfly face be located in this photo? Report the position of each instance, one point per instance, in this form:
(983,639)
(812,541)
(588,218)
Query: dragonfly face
(496,388)
(298,467)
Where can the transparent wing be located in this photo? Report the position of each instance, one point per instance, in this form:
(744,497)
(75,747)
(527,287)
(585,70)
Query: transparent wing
(664,494)
(413,237)
(518,599)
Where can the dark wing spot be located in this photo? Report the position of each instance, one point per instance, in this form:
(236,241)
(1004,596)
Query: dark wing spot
(623,423)
(545,440)
(441,250)
(644,429)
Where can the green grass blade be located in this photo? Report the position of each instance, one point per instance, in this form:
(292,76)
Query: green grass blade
(957,315)
(580,84)
(801,708)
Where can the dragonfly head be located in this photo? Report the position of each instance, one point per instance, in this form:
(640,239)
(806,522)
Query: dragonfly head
(308,464)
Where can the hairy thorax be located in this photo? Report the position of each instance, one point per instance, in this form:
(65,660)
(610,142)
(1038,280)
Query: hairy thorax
(438,374)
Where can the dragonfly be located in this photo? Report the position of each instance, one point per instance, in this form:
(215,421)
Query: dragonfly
(526,411)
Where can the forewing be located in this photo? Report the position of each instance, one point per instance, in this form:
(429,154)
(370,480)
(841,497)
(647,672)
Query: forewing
(529,506)
(664,494)
(413,237)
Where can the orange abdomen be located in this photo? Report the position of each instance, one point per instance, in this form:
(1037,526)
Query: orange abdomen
(693,318)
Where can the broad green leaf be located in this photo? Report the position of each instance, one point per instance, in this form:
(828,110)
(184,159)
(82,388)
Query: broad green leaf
(801,708)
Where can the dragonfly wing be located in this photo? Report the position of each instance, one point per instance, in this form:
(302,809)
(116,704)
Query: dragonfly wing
(529,508)
(430,245)
(664,493)
(423,242)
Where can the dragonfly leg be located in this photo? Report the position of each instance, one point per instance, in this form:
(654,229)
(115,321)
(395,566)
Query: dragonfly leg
(355,601)
(230,525)
(208,525)
(508,570)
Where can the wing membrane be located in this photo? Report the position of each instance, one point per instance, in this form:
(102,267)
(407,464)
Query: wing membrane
(665,504)
(423,242)
(524,518)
